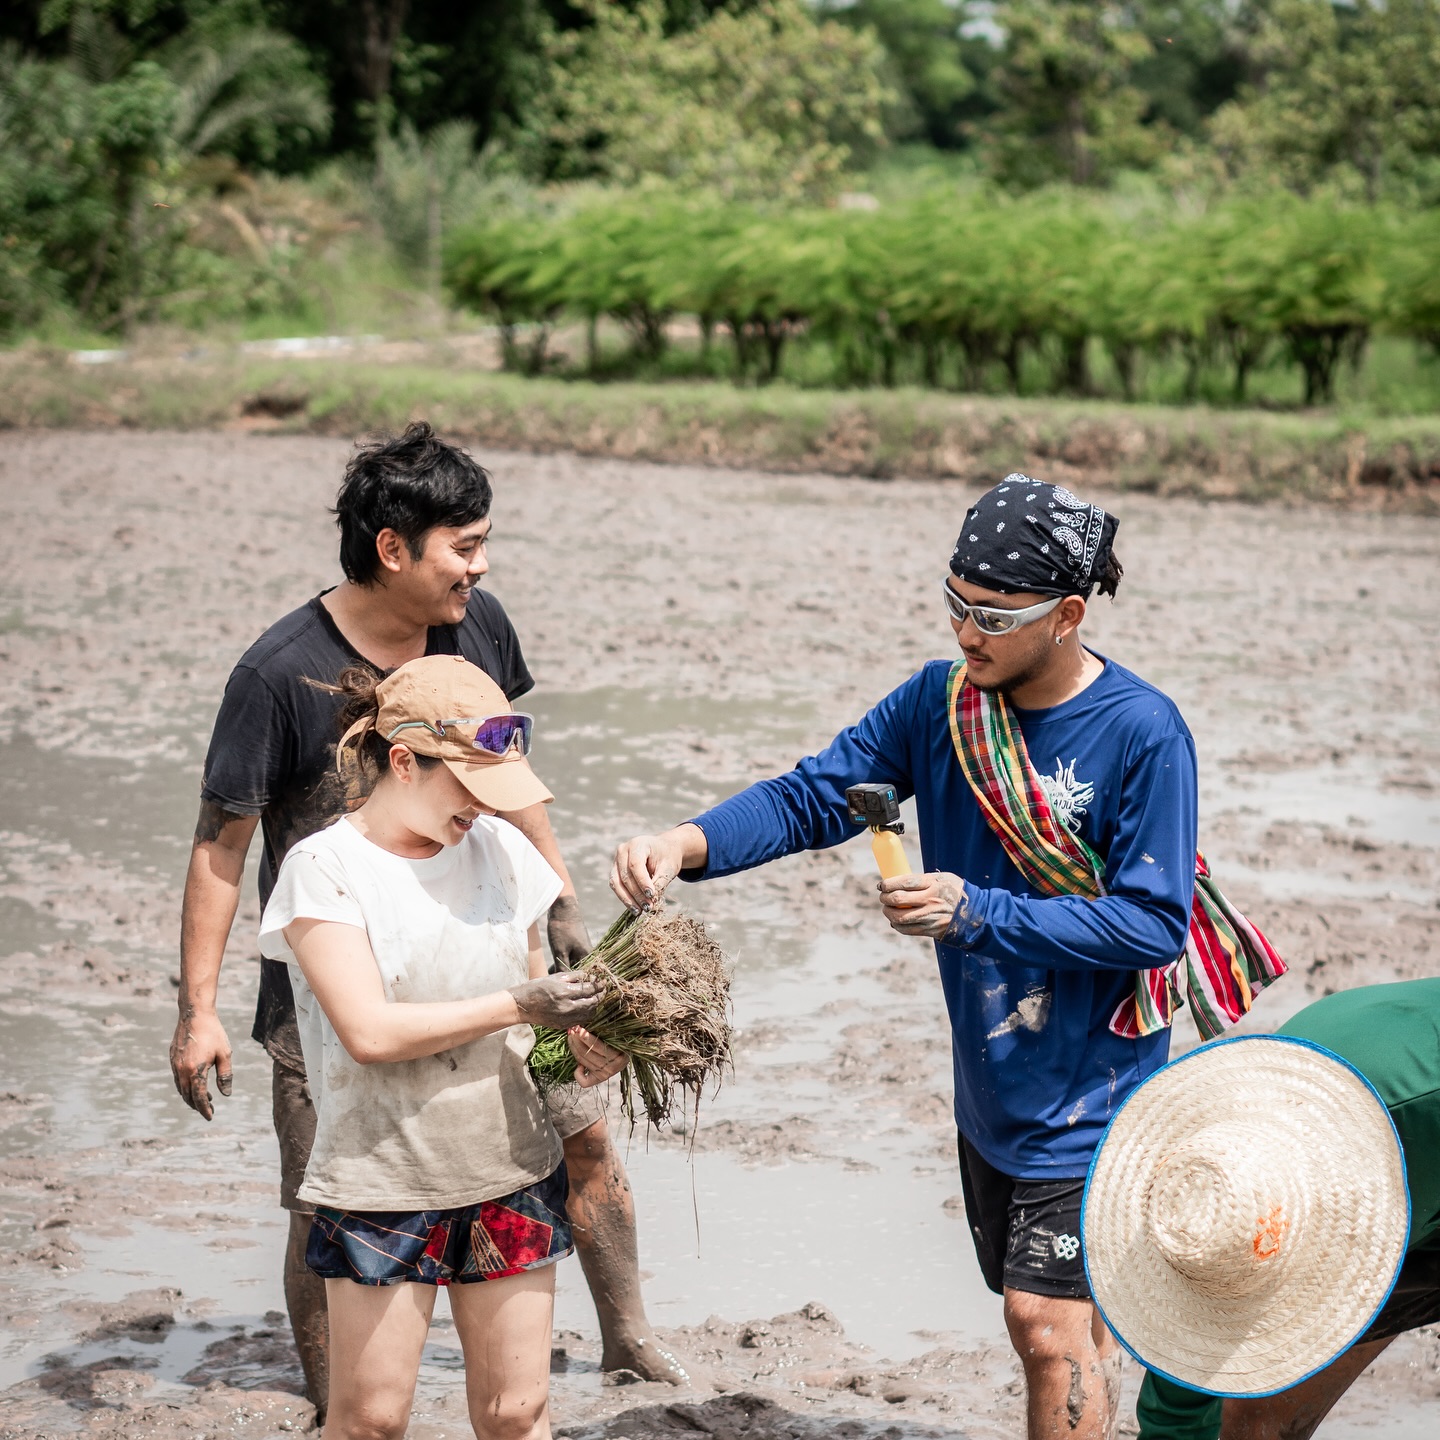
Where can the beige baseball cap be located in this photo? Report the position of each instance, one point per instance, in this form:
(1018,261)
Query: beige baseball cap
(445,707)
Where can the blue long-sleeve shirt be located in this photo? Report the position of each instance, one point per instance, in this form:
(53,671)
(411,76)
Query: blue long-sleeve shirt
(1030,982)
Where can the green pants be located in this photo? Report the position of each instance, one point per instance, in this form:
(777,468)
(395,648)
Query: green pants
(1168,1411)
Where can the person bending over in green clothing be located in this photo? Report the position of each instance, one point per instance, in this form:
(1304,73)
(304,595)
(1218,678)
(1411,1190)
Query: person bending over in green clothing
(1260,1346)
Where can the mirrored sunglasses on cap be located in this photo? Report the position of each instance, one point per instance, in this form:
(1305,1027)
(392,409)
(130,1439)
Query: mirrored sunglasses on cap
(494,735)
(989,620)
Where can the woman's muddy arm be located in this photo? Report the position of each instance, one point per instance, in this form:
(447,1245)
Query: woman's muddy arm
(212,895)
(340,968)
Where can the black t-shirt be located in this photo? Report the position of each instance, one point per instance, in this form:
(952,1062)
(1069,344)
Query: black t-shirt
(272,752)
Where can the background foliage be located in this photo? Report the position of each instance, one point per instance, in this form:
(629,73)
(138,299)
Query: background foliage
(1178,199)
(1053,293)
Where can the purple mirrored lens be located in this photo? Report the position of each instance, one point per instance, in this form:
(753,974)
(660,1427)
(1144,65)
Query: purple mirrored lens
(500,732)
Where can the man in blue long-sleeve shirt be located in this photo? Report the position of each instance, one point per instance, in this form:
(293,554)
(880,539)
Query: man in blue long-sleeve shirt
(1032,983)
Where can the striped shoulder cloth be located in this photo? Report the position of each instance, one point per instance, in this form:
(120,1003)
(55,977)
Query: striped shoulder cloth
(1227,960)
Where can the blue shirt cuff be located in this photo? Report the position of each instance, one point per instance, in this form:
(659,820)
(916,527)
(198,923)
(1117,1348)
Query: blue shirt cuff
(969,920)
(699,872)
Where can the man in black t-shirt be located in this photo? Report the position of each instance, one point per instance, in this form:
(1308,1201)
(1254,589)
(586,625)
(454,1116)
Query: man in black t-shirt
(272,751)
(414,518)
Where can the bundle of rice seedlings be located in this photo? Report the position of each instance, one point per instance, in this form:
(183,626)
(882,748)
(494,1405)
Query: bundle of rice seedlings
(665,1004)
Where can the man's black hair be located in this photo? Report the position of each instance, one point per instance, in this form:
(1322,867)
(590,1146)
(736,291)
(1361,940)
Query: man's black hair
(410,484)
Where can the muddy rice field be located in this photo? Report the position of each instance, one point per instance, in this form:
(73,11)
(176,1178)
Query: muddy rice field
(690,630)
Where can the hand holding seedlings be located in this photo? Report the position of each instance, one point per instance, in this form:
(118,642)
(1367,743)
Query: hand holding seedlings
(644,866)
(595,1061)
(557,1001)
(665,1007)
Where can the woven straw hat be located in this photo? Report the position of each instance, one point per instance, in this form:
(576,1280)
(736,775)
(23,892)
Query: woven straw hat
(1246,1215)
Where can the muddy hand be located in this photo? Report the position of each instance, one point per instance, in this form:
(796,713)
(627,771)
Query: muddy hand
(644,866)
(557,1001)
(199,1042)
(569,940)
(924,905)
(595,1061)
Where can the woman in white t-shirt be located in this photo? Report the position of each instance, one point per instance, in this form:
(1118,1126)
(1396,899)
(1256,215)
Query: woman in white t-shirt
(410,928)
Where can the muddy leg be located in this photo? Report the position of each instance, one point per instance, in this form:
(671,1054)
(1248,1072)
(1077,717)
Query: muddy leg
(294,1114)
(602,1216)
(1065,1374)
(1108,1359)
(309,1321)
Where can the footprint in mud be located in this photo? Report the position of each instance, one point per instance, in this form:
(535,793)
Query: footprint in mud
(252,1360)
(100,1384)
(753,1417)
(143,1315)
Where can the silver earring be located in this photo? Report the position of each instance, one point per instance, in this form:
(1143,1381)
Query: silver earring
(1059,639)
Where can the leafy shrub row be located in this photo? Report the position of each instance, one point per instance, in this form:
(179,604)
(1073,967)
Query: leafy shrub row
(960,291)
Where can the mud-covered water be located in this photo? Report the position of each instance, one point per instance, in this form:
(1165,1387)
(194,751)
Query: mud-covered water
(690,630)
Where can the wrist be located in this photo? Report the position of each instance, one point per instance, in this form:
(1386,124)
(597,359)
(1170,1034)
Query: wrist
(510,1012)
(692,844)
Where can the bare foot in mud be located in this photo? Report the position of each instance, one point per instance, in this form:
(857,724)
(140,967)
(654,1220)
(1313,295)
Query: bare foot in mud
(649,1358)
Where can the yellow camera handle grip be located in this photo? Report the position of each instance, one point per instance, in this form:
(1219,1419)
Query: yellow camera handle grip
(889,854)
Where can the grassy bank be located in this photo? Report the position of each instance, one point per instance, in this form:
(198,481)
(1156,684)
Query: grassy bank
(881,433)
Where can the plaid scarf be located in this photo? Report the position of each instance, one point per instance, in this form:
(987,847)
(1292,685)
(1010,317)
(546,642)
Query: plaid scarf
(1227,961)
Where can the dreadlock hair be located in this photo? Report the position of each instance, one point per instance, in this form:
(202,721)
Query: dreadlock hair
(1110,576)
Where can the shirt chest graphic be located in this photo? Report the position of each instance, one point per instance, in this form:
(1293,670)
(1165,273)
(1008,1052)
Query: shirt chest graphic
(1068,795)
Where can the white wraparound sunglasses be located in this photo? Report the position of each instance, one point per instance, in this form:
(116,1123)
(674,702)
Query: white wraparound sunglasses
(991,621)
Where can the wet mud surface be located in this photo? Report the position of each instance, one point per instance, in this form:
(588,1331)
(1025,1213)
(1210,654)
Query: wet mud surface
(690,630)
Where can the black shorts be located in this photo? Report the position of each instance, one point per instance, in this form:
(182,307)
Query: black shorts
(1026,1232)
(1415,1300)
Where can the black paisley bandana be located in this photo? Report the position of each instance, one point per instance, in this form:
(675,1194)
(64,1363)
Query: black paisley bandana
(1027,537)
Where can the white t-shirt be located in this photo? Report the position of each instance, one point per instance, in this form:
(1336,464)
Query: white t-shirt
(450,1129)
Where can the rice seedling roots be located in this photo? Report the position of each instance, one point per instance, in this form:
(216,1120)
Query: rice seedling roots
(665,1004)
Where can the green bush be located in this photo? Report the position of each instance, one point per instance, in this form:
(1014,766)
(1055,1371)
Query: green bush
(974,293)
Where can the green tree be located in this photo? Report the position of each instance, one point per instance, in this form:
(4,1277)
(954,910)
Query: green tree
(1195,64)
(1068,107)
(422,186)
(1348,96)
(241,91)
(930,62)
(101,183)
(498,268)
(131,118)
(53,205)
(762,103)
(1412,298)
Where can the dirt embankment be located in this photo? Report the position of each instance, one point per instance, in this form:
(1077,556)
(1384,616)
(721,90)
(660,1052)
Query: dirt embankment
(732,621)
(1360,462)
